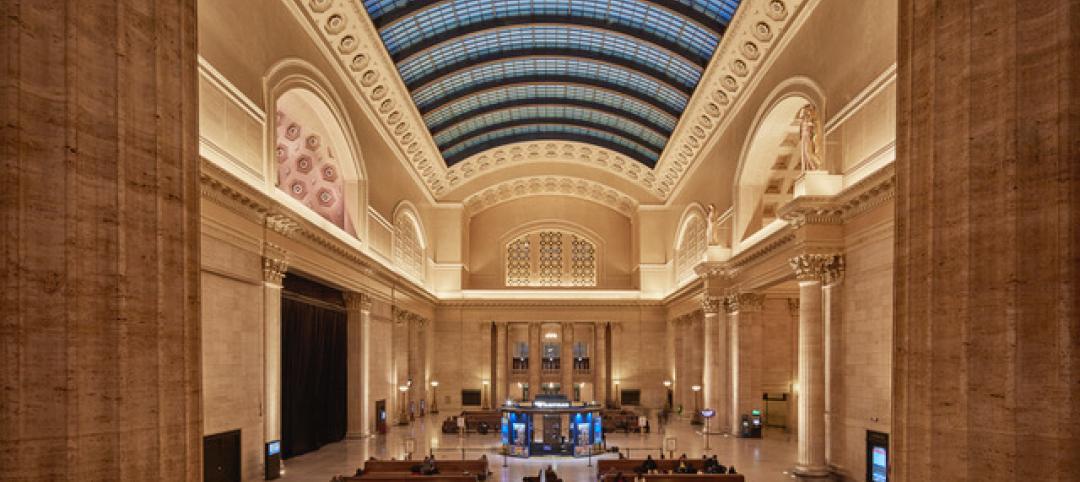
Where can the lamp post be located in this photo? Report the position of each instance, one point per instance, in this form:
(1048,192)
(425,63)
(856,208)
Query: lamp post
(696,418)
(434,396)
(618,395)
(484,394)
(403,417)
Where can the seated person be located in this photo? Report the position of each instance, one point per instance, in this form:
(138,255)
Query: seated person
(649,466)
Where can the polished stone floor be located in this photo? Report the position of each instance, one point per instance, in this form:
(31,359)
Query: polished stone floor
(761,460)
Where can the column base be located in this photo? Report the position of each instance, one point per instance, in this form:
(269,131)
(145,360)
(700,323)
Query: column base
(813,473)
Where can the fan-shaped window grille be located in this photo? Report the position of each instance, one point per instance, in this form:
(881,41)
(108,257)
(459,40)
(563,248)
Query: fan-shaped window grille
(692,250)
(551,258)
(408,250)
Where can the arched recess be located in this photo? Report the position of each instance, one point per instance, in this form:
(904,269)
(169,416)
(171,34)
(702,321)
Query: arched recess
(691,240)
(314,156)
(769,162)
(410,240)
(552,253)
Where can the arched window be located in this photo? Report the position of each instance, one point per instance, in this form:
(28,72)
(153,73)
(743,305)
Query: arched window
(408,244)
(551,258)
(692,244)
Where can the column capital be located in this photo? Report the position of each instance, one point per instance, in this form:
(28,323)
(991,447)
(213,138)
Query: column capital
(710,305)
(357,302)
(743,302)
(826,268)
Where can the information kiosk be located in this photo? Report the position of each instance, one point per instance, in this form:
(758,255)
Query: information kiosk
(551,425)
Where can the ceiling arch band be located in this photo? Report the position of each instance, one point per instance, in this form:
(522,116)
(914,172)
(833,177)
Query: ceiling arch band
(616,73)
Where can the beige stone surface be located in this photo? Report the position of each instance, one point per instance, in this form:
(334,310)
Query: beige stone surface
(100,333)
(986,313)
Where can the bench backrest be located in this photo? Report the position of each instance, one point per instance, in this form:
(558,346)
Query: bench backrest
(445,466)
(410,478)
(681,477)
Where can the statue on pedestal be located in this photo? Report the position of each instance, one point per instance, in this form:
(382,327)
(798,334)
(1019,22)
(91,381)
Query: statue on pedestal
(808,154)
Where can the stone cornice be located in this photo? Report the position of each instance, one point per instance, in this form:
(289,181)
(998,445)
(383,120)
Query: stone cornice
(346,33)
(224,189)
(550,185)
(747,45)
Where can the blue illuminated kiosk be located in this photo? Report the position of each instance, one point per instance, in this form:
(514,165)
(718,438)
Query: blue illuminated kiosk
(537,427)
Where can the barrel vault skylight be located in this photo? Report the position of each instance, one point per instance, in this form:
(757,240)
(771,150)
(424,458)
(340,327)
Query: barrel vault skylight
(613,73)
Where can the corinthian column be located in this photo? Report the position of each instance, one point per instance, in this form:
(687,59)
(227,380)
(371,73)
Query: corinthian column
(358,307)
(811,271)
(711,379)
(274,266)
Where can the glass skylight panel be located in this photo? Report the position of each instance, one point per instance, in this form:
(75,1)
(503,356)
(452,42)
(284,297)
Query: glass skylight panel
(427,24)
(550,113)
(549,39)
(550,93)
(540,69)
(617,73)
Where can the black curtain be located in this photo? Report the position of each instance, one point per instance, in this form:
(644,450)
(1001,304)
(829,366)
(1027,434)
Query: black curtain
(313,376)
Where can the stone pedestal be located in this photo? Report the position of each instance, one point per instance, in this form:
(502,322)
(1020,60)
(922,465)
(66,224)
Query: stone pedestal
(987,262)
(100,334)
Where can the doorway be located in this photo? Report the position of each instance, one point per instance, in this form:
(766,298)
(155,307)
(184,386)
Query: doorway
(221,457)
(380,416)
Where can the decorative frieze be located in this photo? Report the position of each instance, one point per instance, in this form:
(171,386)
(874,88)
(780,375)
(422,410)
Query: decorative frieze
(826,268)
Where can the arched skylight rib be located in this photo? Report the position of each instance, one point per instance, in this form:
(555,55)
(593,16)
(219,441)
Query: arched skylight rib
(570,94)
(645,20)
(551,113)
(535,132)
(533,40)
(548,68)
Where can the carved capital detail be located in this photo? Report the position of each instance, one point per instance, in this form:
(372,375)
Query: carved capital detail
(710,305)
(358,302)
(743,302)
(826,268)
(274,270)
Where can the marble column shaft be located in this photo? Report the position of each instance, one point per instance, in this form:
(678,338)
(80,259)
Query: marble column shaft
(600,390)
(534,359)
(711,379)
(567,361)
(274,267)
(987,260)
(502,363)
(360,423)
(100,330)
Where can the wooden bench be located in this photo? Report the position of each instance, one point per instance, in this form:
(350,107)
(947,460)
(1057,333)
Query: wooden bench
(409,478)
(476,468)
(681,477)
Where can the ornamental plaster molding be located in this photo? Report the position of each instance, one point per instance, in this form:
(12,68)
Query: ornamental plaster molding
(546,185)
(348,36)
(534,152)
(827,268)
(754,34)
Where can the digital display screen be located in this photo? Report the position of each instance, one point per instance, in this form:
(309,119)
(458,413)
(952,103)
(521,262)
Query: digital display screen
(273,447)
(879,468)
